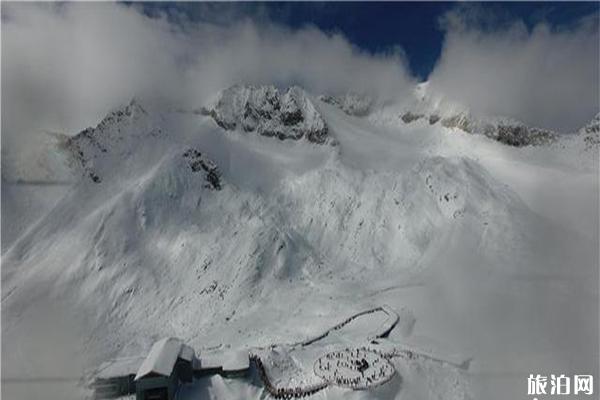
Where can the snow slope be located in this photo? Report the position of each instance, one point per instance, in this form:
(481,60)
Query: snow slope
(23,203)
(480,240)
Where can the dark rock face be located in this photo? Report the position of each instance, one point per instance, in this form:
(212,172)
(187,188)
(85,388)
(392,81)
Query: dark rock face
(199,163)
(95,178)
(266,111)
(409,117)
(291,117)
(519,135)
(433,118)
(512,135)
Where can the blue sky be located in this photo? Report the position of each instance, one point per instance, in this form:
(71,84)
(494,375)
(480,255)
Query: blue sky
(383,26)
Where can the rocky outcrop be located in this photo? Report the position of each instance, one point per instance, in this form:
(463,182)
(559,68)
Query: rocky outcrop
(126,124)
(77,145)
(409,117)
(508,132)
(268,112)
(351,103)
(433,118)
(520,135)
(591,133)
(505,131)
(199,163)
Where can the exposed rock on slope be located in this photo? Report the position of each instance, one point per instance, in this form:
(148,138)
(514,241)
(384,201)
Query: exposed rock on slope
(91,145)
(126,134)
(267,111)
(519,135)
(198,162)
(350,103)
(430,106)
(506,131)
(591,133)
(410,117)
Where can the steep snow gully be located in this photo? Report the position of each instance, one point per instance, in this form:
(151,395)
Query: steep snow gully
(268,213)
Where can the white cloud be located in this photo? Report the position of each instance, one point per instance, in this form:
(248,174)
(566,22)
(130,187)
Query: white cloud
(64,66)
(309,57)
(546,77)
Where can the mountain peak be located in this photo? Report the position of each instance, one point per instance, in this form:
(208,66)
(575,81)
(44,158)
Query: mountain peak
(266,110)
(116,134)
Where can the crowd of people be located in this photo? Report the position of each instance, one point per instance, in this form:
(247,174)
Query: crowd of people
(357,368)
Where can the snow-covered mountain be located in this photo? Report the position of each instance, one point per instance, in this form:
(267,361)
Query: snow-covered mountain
(236,226)
(426,107)
(288,115)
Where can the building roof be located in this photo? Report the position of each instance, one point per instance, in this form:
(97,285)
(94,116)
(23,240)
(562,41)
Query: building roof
(225,360)
(211,360)
(162,357)
(236,361)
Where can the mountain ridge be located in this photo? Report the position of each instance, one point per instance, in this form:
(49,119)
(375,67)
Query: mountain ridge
(287,115)
(174,238)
